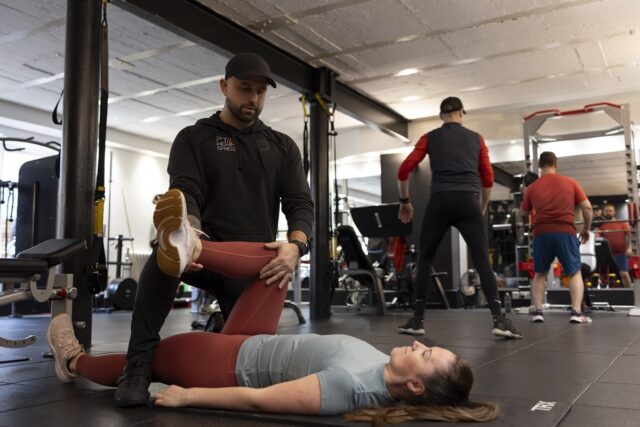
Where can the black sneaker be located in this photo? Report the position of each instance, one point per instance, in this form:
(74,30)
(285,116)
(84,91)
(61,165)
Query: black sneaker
(133,385)
(502,327)
(536,316)
(215,323)
(413,327)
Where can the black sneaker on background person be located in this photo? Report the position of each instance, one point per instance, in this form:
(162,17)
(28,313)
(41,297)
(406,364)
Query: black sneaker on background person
(502,327)
(536,316)
(215,323)
(133,385)
(579,317)
(413,327)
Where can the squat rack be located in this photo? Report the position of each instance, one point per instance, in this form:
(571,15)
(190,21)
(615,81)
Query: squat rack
(620,114)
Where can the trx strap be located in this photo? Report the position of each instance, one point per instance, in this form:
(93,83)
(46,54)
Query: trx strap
(54,114)
(330,112)
(305,136)
(97,267)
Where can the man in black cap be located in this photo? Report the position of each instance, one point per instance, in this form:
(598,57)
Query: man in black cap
(461,182)
(234,173)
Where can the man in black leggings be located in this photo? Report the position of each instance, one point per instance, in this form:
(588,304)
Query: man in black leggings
(461,182)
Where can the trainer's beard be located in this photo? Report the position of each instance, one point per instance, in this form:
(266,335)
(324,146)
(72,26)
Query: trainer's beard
(243,117)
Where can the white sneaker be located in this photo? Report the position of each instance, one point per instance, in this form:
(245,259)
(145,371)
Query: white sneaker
(63,345)
(579,317)
(176,238)
(634,311)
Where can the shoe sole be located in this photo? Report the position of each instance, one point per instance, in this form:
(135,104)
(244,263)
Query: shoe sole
(505,334)
(62,376)
(574,320)
(411,331)
(132,403)
(537,320)
(167,218)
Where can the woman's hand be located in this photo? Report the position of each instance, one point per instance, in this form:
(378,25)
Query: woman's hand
(173,396)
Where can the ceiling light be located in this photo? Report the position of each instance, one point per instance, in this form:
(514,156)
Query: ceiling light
(410,98)
(513,141)
(407,72)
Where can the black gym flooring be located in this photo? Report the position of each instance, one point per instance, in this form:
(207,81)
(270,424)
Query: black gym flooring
(577,375)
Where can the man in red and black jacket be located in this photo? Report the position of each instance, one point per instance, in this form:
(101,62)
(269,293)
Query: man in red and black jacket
(461,183)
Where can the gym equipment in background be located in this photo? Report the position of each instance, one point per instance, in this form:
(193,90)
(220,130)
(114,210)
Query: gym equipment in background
(19,278)
(471,291)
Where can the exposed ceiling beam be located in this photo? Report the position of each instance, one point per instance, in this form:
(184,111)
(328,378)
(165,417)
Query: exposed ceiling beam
(202,25)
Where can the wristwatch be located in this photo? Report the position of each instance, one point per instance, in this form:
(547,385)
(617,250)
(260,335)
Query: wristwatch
(302,247)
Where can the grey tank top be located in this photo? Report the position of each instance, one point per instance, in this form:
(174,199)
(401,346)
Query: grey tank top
(350,371)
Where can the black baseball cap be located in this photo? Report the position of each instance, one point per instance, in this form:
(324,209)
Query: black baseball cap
(245,66)
(451,104)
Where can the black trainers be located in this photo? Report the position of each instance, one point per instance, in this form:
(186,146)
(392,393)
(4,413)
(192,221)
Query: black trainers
(413,327)
(215,323)
(133,385)
(502,327)
(536,316)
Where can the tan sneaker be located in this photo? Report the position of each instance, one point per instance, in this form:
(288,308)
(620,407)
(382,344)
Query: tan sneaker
(63,345)
(176,238)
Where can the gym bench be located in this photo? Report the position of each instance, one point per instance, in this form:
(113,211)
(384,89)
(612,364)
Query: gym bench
(19,280)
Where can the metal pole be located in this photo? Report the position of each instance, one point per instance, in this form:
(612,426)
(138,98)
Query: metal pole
(320,278)
(79,146)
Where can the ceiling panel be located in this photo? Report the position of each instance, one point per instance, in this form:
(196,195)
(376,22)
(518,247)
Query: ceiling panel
(499,56)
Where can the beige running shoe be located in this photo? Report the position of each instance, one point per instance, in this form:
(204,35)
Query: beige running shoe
(177,240)
(63,345)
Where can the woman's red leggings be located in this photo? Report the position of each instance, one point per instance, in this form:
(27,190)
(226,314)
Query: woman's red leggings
(200,359)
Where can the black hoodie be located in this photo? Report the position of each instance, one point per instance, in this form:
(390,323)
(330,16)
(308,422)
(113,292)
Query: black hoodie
(234,180)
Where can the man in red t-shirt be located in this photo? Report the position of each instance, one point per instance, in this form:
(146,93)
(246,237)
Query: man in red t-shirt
(619,241)
(554,198)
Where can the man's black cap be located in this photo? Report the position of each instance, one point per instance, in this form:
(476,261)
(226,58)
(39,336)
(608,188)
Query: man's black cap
(245,66)
(451,104)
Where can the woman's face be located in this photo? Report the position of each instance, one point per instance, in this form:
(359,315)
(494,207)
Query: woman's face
(419,361)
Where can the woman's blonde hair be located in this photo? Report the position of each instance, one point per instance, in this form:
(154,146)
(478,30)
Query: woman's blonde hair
(446,399)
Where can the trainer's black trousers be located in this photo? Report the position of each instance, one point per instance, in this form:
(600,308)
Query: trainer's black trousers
(462,211)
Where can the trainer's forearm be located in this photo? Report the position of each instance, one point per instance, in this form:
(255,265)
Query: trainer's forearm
(403,189)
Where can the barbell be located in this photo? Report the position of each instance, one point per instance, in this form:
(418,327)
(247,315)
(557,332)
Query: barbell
(519,227)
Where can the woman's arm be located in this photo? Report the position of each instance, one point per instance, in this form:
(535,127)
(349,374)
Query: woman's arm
(301,396)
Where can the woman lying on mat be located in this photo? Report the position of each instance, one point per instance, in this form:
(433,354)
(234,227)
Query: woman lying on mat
(248,368)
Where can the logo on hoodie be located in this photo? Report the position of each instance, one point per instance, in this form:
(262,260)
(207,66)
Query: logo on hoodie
(225,143)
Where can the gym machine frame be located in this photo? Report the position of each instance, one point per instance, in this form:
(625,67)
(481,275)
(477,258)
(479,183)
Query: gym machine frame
(19,277)
(620,114)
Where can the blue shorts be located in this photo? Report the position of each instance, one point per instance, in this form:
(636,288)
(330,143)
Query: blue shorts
(564,246)
(622,261)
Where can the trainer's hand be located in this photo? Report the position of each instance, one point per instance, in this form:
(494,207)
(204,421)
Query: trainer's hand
(406,212)
(281,268)
(584,237)
(194,266)
(173,396)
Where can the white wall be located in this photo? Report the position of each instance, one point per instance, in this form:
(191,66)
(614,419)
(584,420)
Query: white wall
(135,179)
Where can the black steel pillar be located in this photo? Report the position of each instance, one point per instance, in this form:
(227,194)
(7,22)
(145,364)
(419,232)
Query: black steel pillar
(78,154)
(320,283)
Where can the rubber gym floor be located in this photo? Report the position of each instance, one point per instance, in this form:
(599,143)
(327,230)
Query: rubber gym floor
(559,374)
